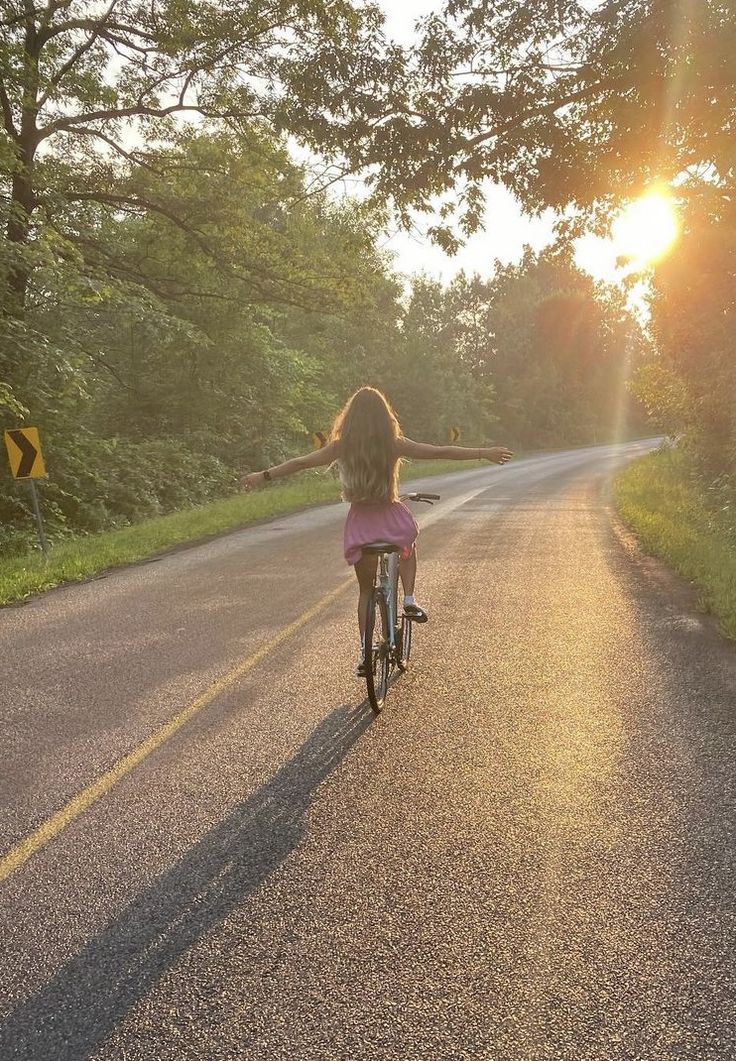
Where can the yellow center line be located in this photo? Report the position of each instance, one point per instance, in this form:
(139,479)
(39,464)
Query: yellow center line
(54,825)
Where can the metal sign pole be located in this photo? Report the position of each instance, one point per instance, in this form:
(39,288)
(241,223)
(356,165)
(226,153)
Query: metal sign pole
(39,519)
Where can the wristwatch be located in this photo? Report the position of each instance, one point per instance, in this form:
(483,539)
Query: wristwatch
(267,477)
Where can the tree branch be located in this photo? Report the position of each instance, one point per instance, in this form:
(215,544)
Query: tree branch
(113,371)
(92,25)
(8,23)
(69,124)
(129,156)
(51,8)
(175,291)
(318,184)
(76,55)
(536,112)
(139,205)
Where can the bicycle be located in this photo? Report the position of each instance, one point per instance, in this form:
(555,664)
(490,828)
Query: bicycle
(387,641)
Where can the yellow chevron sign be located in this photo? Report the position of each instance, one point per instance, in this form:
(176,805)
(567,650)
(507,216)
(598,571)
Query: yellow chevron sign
(24,453)
(454,434)
(320,439)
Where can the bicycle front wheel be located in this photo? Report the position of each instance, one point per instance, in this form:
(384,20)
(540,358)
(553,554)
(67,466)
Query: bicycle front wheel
(377,651)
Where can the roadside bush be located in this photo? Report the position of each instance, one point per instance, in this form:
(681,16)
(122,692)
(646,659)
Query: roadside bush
(95,484)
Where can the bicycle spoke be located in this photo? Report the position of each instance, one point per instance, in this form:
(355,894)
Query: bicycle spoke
(378,651)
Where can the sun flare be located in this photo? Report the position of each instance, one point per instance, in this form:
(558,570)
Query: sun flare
(646,229)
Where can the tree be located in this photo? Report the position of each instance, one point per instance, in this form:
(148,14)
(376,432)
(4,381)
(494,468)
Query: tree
(86,85)
(563,102)
(690,383)
(557,347)
(255,255)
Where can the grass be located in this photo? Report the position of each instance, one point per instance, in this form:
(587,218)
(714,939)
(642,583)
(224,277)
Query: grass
(75,559)
(674,519)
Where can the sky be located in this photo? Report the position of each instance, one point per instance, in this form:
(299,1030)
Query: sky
(506,230)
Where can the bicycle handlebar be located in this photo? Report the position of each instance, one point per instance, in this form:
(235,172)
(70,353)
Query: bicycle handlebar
(428,498)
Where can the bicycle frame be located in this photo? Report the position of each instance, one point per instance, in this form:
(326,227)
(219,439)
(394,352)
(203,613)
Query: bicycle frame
(387,580)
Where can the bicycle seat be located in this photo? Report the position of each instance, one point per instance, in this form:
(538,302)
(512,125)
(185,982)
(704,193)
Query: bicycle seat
(374,548)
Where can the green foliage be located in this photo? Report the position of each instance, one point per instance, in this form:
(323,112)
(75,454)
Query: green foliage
(691,384)
(431,398)
(96,483)
(562,102)
(678,517)
(557,350)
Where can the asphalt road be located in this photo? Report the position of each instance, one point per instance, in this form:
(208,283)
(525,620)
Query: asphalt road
(529,855)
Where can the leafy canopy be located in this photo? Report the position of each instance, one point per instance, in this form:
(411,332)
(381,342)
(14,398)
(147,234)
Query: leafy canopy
(562,101)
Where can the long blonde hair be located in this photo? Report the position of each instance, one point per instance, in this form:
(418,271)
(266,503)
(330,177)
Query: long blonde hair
(367,429)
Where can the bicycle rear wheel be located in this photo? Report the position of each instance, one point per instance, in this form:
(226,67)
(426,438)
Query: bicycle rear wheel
(377,651)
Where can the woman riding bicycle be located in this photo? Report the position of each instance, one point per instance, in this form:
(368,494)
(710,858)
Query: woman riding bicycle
(367,444)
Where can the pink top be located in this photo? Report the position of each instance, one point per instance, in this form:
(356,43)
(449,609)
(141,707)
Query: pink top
(391,522)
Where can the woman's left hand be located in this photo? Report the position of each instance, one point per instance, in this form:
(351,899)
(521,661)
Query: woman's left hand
(498,455)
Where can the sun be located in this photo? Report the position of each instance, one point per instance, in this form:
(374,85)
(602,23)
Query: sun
(646,229)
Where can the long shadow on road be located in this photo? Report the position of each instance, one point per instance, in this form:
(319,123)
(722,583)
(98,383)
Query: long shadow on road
(77,1010)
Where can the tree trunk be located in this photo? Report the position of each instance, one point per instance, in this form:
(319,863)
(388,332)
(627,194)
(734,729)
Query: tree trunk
(23,203)
(23,198)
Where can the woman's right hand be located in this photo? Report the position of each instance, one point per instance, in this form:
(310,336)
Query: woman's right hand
(252,481)
(498,455)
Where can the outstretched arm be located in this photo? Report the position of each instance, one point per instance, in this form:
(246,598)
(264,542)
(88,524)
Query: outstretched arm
(317,459)
(425,451)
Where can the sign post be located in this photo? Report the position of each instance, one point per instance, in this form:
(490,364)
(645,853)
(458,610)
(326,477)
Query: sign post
(39,519)
(26,462)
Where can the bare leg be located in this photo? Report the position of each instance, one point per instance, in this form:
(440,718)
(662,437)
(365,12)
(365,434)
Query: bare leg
(408,572)
(365,569)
